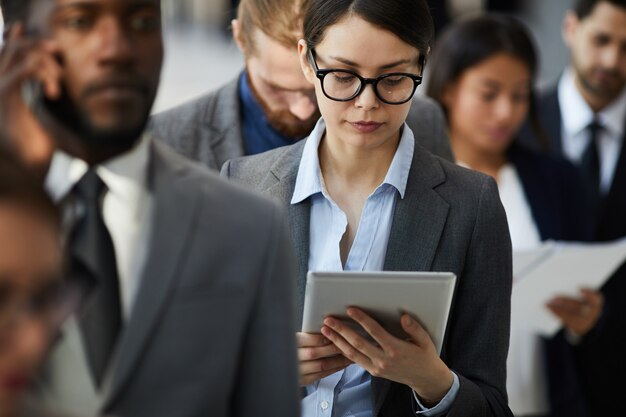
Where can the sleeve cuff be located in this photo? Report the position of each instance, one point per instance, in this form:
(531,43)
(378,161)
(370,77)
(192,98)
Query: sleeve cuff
(444,405)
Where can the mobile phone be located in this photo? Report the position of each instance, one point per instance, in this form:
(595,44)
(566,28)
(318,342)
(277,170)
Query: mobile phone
(56,116)
(34,98)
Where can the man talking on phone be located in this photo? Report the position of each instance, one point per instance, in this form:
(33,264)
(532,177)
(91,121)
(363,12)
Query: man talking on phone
(187,306)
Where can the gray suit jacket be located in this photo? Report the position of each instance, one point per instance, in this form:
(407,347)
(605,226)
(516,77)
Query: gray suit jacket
(451,219)
(212,328)
(209,129)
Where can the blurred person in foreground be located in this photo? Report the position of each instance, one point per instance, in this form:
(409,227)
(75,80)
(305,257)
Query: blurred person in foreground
(33,298)
(584,114)
(486,68)
(270,104)
(188,297)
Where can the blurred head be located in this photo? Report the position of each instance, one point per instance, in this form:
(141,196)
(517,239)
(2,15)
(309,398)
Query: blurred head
(111,53)
(12,11)
(485,69)
(267,32)
(31,306)
(370,38)
(595,32)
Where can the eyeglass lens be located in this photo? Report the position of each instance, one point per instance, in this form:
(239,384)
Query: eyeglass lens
(344,85)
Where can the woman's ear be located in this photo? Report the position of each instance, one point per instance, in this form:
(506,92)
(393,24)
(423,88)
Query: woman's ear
(303,53)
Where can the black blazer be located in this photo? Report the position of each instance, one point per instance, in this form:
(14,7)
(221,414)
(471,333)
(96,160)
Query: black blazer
(553,188)
(591,373)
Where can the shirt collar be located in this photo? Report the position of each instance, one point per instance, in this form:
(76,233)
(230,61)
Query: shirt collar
(577,114)
(309,179)
(125,175)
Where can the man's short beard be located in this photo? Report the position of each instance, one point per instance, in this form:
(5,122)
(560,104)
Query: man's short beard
(284,122)
(71,117)
(599,91)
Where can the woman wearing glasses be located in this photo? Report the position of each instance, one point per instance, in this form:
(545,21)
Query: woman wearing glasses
(362,195)
(31,306)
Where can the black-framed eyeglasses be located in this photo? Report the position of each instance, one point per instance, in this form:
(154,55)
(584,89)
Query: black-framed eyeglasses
(346,85)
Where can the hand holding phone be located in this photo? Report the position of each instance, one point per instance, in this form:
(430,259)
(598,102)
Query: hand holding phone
(28,71)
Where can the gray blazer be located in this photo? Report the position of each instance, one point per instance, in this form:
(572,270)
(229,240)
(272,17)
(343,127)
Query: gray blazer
(451,219)
(209,129)
(212,328)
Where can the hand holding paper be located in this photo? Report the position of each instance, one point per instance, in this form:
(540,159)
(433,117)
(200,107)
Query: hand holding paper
(578,315)
(561,270)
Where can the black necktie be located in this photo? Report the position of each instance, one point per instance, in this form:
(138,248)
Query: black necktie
(590,163)
(93,265)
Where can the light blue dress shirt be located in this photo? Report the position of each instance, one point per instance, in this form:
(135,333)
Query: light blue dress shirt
(348,392)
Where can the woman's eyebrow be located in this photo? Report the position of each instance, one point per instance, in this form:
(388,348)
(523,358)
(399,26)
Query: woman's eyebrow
(382,67)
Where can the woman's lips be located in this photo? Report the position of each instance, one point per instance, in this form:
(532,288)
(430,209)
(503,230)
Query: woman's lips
(366,127)
(501,134)
(14,383)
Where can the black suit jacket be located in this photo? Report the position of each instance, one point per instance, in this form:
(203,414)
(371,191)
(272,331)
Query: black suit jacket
(592,373)
(553,188)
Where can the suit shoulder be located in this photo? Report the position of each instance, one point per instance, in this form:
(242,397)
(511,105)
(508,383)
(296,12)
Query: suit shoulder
(463,177)
(236,205)
(190,111)
(254,167)
(526,158)
(196,112)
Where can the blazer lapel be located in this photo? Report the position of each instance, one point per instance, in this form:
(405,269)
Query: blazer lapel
(226,132)
(418,223)
(299,223)
(280,185)
(419,217)
(172,200)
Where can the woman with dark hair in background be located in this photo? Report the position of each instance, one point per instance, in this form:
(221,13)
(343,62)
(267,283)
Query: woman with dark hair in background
(485,70)
(363,195)
(33,300)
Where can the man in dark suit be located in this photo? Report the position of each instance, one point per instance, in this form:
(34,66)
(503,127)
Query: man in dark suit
(270,104)
(584,115)
(188,296)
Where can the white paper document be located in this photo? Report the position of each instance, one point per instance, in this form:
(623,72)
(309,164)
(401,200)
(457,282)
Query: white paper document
(559,268)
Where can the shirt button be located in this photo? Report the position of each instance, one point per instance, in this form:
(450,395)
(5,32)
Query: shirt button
(324,405)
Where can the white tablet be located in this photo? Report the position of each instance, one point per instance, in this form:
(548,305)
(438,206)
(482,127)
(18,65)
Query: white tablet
(384,295)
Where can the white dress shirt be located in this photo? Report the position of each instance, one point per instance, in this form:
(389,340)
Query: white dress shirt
(127,210)
(576,115)
(525,379)
(522,226)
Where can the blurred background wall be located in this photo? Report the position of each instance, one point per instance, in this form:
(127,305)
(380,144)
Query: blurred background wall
(201,56)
